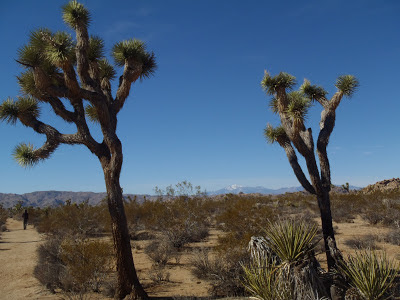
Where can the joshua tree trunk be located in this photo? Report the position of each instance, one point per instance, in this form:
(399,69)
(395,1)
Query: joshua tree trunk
(327,227)
(127,278)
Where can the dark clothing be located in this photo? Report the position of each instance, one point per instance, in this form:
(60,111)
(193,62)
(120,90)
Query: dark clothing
(25,216)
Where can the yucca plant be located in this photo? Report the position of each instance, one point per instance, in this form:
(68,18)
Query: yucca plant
(265,280)
(291,241)
(372,274)
(274,271)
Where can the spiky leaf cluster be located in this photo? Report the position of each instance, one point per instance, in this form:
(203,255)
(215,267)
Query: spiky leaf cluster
(60,49)
(313,92)
(131,49)
(273,105)
(290,240)
(282,80)
(274,134)
(372,274)
(298,106)
(26,82)
(347,84)
(149,65)
(96,48)
(28,107)
(106,69)
(25,156)
(75,14)
(91,113)
(9,111)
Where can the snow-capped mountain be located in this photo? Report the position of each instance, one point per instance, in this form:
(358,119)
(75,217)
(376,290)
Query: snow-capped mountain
(236,189)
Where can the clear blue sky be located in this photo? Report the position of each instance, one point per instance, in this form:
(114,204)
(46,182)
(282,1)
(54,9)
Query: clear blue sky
(201,117)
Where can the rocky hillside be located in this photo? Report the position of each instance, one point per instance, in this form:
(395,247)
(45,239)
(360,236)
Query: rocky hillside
(54,198)
(387,185)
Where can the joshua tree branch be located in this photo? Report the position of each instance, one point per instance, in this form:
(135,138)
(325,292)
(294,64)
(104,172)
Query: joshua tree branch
(131,73)
(292,157)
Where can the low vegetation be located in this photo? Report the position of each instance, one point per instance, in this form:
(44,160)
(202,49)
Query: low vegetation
(76,257)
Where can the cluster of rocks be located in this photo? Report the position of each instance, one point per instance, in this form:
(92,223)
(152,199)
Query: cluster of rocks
(386,185)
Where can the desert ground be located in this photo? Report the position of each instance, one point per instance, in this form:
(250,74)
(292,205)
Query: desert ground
(18,258)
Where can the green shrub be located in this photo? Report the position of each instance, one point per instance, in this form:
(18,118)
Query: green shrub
(370,273)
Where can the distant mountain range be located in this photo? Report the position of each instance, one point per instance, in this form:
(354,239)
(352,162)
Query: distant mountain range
(236,189)
(54,198)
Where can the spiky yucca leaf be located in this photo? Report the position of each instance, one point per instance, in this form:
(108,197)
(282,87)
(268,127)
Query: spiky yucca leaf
(106,69)
(290,240)
(37,40)
(91,113)
(28,106)
(129,49)
(9,111)
(149,65)
(24,154)
(75,14)
(96,48)
(274,134)
(61,49)
(298,107)
(265,281)
(313,92)
(282,80)
(347,84)
(29,56)
(273,104)
(370,273)
(26,82)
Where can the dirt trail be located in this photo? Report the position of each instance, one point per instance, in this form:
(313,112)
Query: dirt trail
(17,260)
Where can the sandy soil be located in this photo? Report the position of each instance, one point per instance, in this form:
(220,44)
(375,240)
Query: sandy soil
(17,261)
(18,258)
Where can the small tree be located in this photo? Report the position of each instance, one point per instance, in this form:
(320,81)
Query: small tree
(292,108)
(53,63)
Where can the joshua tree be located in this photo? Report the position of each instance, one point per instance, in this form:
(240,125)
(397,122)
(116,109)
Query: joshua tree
(59,69)
(292,108)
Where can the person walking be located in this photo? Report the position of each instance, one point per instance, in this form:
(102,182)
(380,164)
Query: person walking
(25,216)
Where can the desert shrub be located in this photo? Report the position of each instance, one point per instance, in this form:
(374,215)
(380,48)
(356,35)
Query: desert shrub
(72,219)
(365,242)
(160,251)
(73,264)
(393,237)
(370,273)
(181,218)
(50,269)
(158,274)
(87,261)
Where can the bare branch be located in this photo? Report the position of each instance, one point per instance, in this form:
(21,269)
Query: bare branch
(292,157)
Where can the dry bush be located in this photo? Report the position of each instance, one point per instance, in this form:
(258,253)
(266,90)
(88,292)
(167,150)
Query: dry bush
(160,251)
(50,268)
(158,274)
(72,219)
(393,237)
(364,242)
(73,264)
(224,271)
(87,261)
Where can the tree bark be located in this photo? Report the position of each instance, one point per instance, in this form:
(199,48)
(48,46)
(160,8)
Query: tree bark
(128,282)
(327,227)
